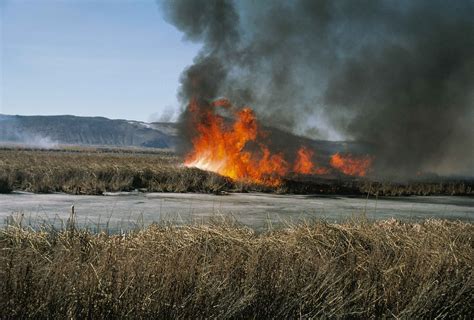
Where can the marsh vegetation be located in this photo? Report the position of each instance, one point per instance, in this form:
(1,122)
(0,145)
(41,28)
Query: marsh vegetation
(97,170)
(352,270)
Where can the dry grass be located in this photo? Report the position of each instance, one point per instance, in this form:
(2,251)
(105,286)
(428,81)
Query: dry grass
(354,270)
(94,171)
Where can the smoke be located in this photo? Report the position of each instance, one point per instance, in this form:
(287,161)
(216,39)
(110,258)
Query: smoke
(397,75)
(12,132)
(168,114)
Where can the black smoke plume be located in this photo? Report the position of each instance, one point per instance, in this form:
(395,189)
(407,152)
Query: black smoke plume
(397,75)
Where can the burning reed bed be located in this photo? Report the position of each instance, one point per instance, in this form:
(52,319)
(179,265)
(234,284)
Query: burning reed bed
(95,171)
(356,269)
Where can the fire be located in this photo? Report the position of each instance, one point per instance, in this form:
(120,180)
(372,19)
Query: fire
(236,148)
(350,165)
(224,149)
(304,163)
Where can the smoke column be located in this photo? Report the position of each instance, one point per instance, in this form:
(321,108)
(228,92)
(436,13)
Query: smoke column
(397,75)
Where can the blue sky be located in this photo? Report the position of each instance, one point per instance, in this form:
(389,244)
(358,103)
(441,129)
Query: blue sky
(112,58)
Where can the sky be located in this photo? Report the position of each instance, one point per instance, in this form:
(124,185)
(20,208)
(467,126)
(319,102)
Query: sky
(114,58)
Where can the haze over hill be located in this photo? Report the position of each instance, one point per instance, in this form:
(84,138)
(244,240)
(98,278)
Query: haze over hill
(53,131)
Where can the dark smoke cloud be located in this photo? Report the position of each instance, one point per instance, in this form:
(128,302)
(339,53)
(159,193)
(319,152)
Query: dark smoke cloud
(398,75)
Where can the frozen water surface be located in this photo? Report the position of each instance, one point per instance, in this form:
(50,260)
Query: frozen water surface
(130,210)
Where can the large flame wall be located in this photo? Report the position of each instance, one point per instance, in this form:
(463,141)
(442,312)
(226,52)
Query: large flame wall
(239,150)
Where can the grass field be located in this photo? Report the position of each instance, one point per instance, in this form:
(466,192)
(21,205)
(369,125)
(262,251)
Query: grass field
(353,270)
(95,171)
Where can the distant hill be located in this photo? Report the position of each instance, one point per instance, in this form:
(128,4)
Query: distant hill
(50,131)
(53,131)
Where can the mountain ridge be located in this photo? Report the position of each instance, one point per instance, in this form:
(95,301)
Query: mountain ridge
(53,130)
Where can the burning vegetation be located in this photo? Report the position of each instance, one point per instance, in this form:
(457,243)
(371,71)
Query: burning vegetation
(396,76)
(95,171)
(237,148)
(351,166)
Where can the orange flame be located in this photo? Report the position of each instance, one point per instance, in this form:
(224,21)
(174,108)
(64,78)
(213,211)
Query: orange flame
(237,150)
(350,165)
(222,149)
(304,163)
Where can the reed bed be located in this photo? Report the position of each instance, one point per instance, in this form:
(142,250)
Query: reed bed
(95,171)
(91,171)
(222,270)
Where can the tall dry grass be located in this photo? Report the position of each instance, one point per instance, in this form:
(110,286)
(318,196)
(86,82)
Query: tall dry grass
(354,270)
(95,171)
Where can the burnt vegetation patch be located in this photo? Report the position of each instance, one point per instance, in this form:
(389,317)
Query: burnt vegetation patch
(5,184)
